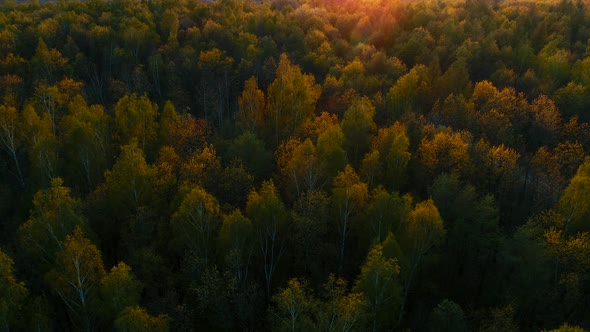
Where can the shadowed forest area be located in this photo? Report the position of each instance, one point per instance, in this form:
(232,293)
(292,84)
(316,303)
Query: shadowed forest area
(312,165)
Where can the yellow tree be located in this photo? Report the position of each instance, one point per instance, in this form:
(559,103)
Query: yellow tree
(389,158)
(341,311)
(9,128)
(574,203)
(303,167)
(291,100)
(131,180)
(54,98)
(48,63)
(379,282)
(86,135)
(504,163)
(547,180)
(293,307)
(424,230)
(314,127)
(42,143)
(12,294)
(183,132)
(251,106)
(445,152)
(203,168)
(76,278)
(119,289)
(371,167)
(136,319)
(135,118)
(571,254)
(350,196)
(547,121)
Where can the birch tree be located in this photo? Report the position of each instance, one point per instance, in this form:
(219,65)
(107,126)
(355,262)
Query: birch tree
(269,220)
(350,196)
(76,279)
(9,128)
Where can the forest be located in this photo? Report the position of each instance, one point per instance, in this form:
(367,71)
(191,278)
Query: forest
(295,165)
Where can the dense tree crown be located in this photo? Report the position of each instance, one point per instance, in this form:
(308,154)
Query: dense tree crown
(296,165)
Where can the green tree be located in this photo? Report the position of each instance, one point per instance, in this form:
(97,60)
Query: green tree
(371,168)
(330,152)
(136,35)
(54,216)
(125,204)
(119,289)
(251,151)
(196,223)
(386,212)
(236,241)
(269,220)
(130,182)
(454,80)
(499,319)
(135,118)
(40,320)
(410,92)
(234,185)
(379,282)
(392,144)
(358,127)
(424,230)
(473,241)
(447,316)
(169,24)
(310,229)
(216,68)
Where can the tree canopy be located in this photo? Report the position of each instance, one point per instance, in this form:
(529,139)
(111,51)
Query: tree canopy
(325,165)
